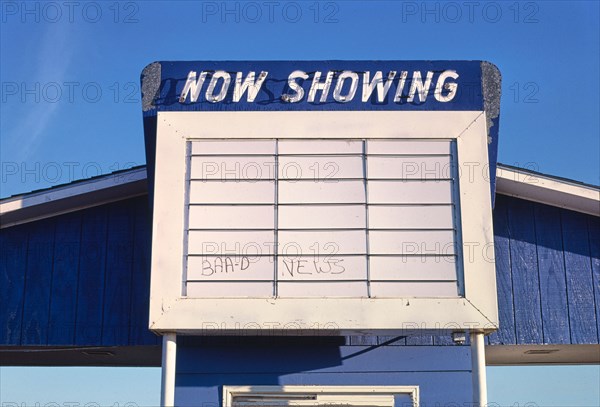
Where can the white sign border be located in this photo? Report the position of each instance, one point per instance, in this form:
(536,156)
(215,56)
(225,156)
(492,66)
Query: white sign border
(171,312)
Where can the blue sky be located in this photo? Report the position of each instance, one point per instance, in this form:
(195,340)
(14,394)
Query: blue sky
(70,92)
(70,104)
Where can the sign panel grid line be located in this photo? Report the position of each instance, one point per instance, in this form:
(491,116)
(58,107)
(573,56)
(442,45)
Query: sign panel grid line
(366,182)
(456,217)
(276,214)
(186,214)
(415,180)
(201,204)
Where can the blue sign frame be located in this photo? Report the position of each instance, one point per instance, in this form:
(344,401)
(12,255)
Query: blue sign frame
(276,85)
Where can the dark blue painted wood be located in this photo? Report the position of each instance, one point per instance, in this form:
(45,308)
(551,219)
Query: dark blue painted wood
(90,292)
(271,357)
(402,340)
(580,289)
(38,282)
(443,340)
(362,340)
(119,254)
(442,373)
(594,237)
(61,329)
(555,316)
(420,340)
(506,335)
(78,311)
(13,265)
(140,287)
(174,75)
(394,340)
(526,284)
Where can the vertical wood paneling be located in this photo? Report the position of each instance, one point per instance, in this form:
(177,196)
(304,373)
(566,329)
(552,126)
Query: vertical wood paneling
(90,292)
(594,237)
(61,329)
(363,340)
(551,264)
(419,340)
(140,287)
(580,291)
(443,340)
(506,335)
(38,280)
(394,340)
(117,295)
(13,264)
(526,285)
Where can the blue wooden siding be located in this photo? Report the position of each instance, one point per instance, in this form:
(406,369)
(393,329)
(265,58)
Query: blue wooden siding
(83,278)
(551,269)
(13,255)
(78,279)
(594,234)
(548,273)
(443,374)
(61,328)
(506,309)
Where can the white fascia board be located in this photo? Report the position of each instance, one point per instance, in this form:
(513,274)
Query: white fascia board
(72,197)
(548,354)
(547,190)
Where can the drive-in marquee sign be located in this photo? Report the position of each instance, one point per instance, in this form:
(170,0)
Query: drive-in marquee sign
(331,195)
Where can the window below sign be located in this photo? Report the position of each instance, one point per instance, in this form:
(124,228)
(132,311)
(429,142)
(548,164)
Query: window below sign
(363,396)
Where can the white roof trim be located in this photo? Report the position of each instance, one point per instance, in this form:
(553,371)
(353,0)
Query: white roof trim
(127,184)
(548,190)
(72,197)
(505,355)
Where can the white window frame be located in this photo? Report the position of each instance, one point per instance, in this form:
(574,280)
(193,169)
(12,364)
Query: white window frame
(368,396)
(172,312)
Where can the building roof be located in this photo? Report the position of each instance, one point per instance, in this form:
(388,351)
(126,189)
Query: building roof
(73,196)
(548,189)
(123,184)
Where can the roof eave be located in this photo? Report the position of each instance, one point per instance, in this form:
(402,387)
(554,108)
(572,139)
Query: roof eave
(72,197)
(548,190)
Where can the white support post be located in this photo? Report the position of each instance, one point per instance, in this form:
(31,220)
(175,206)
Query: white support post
(169,353)
(478,369)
